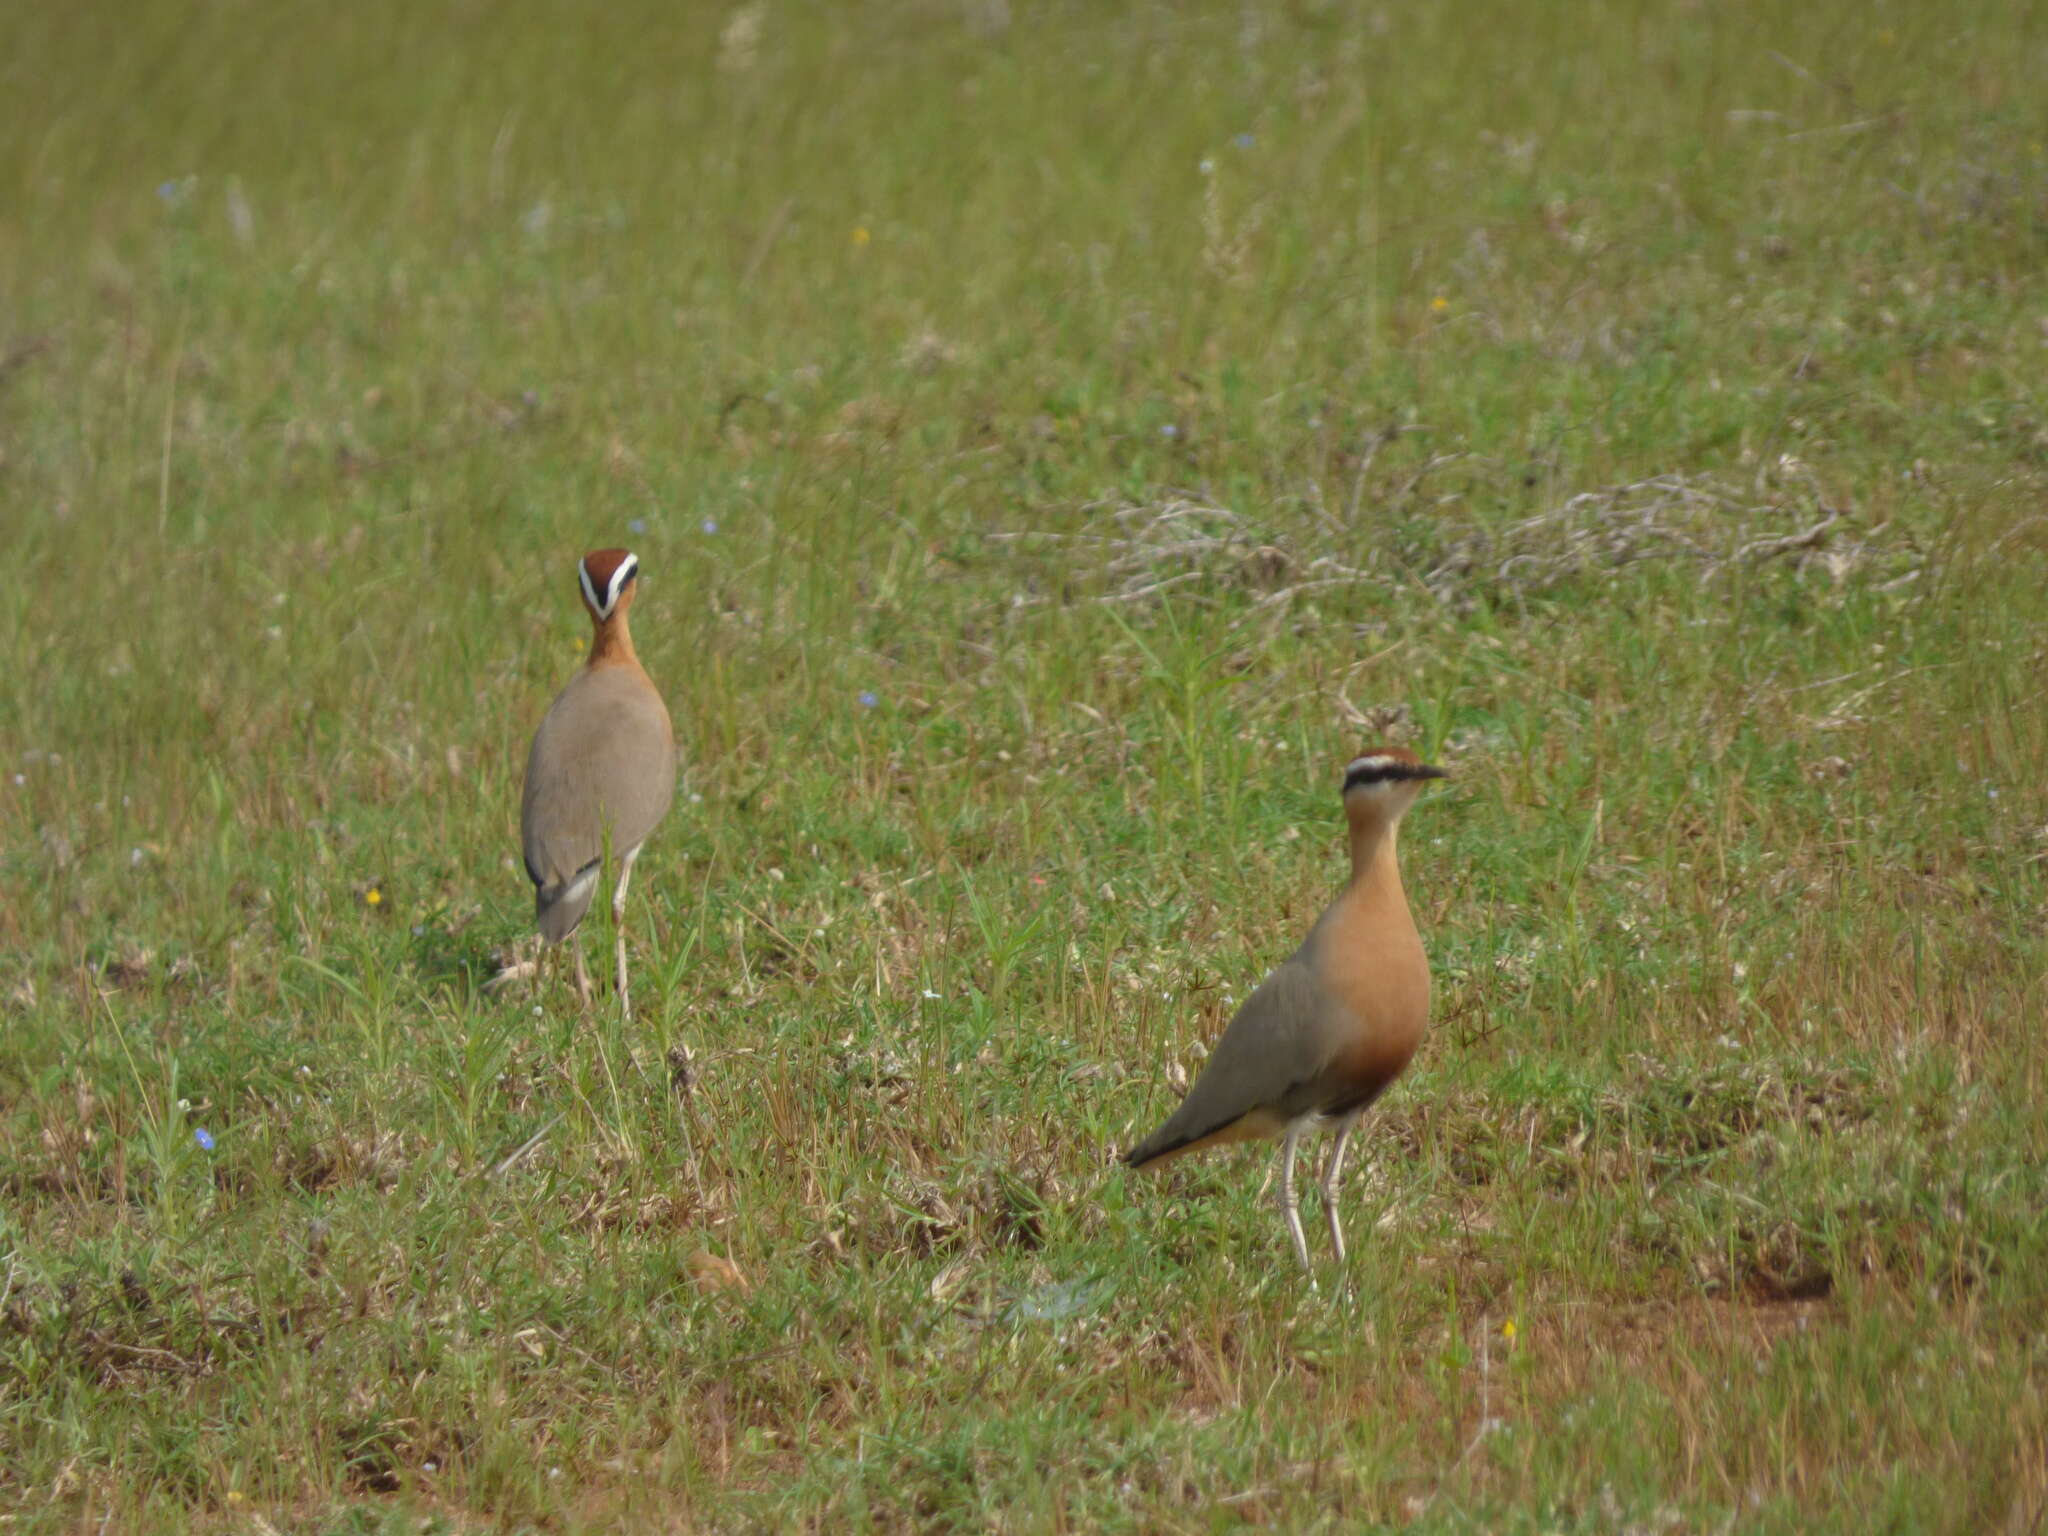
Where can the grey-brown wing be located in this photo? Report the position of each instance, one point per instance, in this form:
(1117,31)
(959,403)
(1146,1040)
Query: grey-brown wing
(602,764)
(1273,1055)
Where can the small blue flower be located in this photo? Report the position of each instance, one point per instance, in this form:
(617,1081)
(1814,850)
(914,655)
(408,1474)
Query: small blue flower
(204,1137)
(167,190)
(867,699)
(1169,430)
(638,525)
(1244,141)
(709,525)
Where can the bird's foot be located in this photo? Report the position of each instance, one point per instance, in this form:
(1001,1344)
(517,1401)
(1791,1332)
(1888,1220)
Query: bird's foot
(511,971)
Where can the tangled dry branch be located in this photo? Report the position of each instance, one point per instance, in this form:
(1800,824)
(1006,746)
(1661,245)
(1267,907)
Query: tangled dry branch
(1142,551)
(1663,518)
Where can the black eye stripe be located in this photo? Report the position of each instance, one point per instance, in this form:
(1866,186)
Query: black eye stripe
(1389,773)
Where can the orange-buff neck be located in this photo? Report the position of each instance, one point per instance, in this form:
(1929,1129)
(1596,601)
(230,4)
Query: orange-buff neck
(611,642)
(1373,839)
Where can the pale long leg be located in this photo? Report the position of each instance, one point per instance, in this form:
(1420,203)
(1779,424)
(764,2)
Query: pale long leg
(1288,1208)
(1334,1171)
(619,926)
(582,973)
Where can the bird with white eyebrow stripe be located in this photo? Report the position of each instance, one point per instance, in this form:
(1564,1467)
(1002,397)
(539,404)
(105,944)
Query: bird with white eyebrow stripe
(601,773)
(1328,1032)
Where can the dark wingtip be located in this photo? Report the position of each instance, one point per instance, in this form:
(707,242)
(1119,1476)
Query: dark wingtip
(1152,1149)
(558,908)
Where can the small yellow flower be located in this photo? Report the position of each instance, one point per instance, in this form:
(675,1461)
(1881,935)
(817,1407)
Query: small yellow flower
(373,897)
(1439,305)
(581,643)
(860,235)
(1886,37)
(236,1498)
(1507,1330)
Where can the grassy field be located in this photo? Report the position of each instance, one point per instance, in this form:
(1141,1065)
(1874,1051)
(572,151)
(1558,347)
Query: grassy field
(1057,437)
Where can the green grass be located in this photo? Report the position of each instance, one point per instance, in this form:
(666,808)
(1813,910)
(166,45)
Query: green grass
(1146,409)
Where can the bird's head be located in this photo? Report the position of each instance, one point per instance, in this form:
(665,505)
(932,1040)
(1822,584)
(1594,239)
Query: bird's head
(607,577)
(1384,781)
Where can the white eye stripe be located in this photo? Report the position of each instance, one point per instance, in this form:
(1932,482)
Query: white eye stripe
(628,569)
(1374,764)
